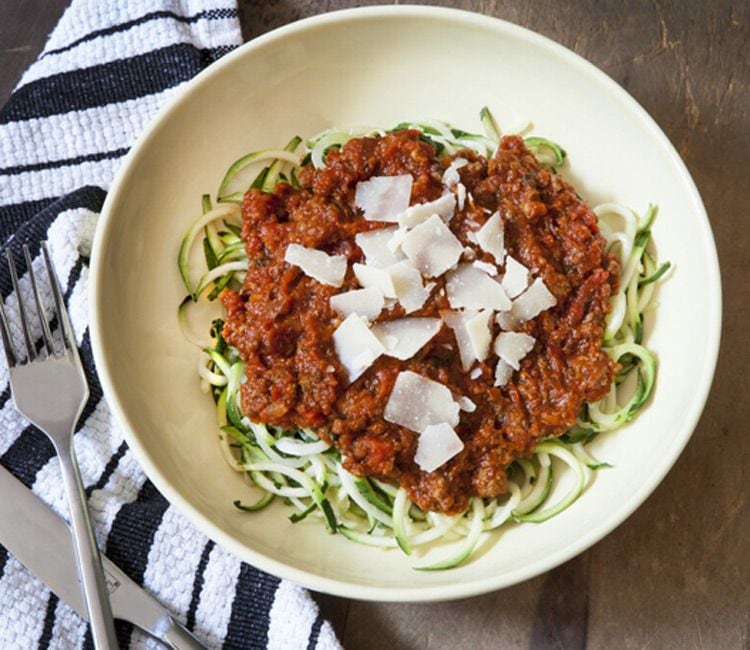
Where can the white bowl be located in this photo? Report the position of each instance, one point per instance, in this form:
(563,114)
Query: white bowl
(379,66)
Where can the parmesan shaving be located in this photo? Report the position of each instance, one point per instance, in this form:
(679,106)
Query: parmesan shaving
(437,444)
(367,303)
(465,404)
(472,332)
(383,198)
(503,372)
(451,175)
(491,237)
(432,247)
(417,402)
(471,288)
(407,283)
(460,195)
(444,207)
(511,347)
(536,299)
(356,346)
(489,269)
(327,269)
(404,337)
(374,245)
(516,277)
(371,277)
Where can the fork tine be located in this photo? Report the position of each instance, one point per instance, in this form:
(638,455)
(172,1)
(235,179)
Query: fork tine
(60,311)
(46,333)
(21,308)
(10,350)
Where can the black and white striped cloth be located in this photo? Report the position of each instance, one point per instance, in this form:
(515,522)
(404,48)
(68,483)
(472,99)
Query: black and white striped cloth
(105,70)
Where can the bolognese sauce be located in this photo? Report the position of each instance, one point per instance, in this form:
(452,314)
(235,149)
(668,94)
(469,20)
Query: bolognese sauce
(281,321)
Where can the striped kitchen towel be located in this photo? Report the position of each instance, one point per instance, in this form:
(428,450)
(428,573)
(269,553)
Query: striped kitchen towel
(104,72)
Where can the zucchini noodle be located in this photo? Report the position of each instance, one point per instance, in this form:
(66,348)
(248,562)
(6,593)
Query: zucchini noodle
(307,473)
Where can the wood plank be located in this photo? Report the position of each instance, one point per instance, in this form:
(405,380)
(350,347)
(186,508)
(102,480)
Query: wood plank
(22,37)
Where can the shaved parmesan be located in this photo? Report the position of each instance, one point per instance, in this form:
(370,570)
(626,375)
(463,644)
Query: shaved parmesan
(432,247)
(472,333)
(471,288)
(451,176)
(460,195)
(536,299)
(480,336)
(327,269)
(417,402)
(369,276)
(437,444)
(383,198)
(511,347)
(489,269)
(503,372)
(394,243)
(465,404)
(491,237)
(374,245)
(407,283)
(416,214)
(356,346)
(516,277)
(404,337)
(367,303)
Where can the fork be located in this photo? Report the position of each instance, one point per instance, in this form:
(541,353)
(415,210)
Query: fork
(50,390)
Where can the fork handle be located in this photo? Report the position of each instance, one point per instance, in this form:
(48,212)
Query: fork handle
(89,563)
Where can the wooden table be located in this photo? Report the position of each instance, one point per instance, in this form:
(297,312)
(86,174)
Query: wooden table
(677,573)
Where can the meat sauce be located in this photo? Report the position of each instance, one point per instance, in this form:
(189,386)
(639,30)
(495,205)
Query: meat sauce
(282,324)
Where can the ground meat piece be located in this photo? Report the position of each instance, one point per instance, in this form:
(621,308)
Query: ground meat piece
(282,324)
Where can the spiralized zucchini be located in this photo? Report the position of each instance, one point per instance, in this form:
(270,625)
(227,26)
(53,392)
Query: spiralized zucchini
(306,473)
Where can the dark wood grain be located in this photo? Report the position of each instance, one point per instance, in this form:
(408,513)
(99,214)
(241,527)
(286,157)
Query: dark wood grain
(677,573)
(24,27)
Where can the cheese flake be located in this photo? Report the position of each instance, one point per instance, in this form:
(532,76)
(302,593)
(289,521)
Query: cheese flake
(367,303)
(371,277)
(432,247)
(465,404)
(407,283)
(511,347)
(489,269)
(471,288)
(417,402)
(394,243)
(374,245)
(404,337)
(536,299)
(503,372)
(460,195)
(491,237)
(479,333)
(516,277)
(437,444)
(443,207)
(472,332)
(383,198)
(356,346)
(326,269)
(451,175)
